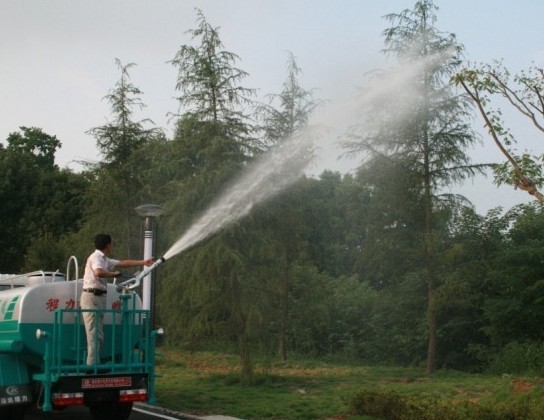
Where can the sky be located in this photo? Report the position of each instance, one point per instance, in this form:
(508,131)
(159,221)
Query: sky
(57,60)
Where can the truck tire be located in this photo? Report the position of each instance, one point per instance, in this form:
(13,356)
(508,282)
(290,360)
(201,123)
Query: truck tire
(14,412)
(110,411)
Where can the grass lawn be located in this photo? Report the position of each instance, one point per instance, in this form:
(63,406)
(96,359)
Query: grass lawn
(209,383)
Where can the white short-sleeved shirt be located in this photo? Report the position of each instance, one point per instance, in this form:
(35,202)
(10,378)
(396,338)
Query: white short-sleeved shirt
(97,260)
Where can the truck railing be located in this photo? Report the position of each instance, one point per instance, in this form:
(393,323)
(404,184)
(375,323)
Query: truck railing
(130,349)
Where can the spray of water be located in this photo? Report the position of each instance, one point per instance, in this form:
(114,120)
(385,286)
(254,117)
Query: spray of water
(282,166)
(397,82)
(275,171)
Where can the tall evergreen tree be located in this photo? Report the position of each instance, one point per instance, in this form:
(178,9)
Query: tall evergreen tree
(209,87)
(117,188)
(123,136)
(430,144)
(295,105)
(213,141)
(289,111)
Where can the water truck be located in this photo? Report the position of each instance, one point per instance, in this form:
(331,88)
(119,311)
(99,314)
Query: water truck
(43,347)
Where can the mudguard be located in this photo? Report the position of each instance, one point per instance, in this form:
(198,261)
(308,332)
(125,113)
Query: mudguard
(14,381)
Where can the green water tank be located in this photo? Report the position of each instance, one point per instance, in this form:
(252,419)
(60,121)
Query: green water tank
(25,309)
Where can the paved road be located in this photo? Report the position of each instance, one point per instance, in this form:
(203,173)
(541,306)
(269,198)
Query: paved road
(139,412)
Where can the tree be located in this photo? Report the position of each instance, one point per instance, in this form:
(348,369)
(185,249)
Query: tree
(429,145)
(39,199)
(281,124)
(119,139)
(117,188)
(209,86)
(513,309)
(295,106)
(470,263)
(35,144)
(213,141)
(524,92)
(214,135)
(391,222)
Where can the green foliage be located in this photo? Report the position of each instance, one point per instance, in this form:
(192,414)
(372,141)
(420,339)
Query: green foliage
(38,199)
(391,225)
(209,83)
(420,132)
(295,106)
(398,325)
(46,253)
(340,266)
(34,144)
(257,280)
(210,384)
(392,405)
(334,208)
(379,404)
(211,299)
(116,189)
(513,307)
(118,140)
(487,84)
(519,358)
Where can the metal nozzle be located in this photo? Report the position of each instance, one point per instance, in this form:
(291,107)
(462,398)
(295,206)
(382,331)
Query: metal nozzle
(152,267)
(135,281)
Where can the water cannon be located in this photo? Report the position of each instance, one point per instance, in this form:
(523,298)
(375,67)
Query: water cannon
(135,281)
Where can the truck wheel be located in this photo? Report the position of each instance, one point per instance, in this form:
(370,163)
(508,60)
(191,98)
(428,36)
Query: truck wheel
(15,412)
(110,411)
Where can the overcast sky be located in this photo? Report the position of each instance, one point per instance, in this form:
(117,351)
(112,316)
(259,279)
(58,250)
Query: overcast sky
(58,58)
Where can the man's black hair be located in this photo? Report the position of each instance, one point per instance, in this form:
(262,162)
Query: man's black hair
(101,241)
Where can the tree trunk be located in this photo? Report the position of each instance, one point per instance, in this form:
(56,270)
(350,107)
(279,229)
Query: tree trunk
(431,285)
(430,245)
(432,326)
(245,357)
(284,314)
(244,347)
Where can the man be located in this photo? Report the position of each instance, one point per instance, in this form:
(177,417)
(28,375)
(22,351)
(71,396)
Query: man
(95,287)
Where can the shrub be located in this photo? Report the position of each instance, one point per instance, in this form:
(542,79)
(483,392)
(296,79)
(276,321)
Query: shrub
(519,358)
(393,406)
(381,404)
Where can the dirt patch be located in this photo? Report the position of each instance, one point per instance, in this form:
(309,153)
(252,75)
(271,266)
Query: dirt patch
(522,387)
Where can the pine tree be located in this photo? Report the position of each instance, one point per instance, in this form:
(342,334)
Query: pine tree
(295,105)
(209,87)
(213,141)
(117,188)
(421,126)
